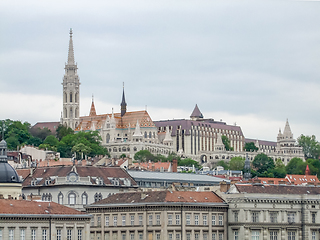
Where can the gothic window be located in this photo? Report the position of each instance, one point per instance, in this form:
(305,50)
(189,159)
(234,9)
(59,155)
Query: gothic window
(65,97)
(71,97)
(60,198)
(108,137)
(77,112)
(71,114)
(84,198)
(150,135)
(145,134)
(72,198)
(76,97)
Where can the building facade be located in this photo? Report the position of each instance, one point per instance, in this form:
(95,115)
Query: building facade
(159,215)
(21,219)
(262,211)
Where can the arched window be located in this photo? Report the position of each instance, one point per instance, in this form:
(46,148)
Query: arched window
(71,97)
(60,198)
(145,134)
(150,135)
(84,198)
(76,97)
(72,198)
(65,112)
(108,136)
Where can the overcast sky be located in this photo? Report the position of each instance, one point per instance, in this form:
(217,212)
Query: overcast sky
(250,63)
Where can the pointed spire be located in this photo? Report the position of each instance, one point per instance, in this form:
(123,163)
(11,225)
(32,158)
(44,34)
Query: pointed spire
(287,134)
(137,131)
(307,172)
(70,53)
(93,108)
(196,114)
(123,104)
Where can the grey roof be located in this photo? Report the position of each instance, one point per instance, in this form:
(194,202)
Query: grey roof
(261,142)
(8,174)
(196,112)
(175,177)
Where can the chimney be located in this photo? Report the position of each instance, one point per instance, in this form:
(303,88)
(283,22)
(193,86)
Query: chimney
(224,187)
(174,165)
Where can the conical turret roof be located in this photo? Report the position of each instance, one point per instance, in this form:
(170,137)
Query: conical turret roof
(196,113)
(92,109)
(70,52)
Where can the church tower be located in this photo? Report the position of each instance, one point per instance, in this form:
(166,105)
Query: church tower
(71,87)
(123,104)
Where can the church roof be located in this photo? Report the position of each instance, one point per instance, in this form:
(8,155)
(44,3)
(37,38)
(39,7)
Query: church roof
(92,110)
(52,126)
(129,119)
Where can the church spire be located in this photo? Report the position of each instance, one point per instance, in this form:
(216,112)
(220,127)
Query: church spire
(123,104)
(93,109)
(70,52)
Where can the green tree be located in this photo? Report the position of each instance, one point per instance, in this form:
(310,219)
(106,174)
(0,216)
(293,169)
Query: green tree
(63,131)
(263,164)
(189,163)
(310,146)
(16,133)
(81,150)
(226,143)
(250,147)
(223,164)
(144,156)
(236,163)
(40,133)
(34,141)
(296,166)
(50,143)
(280,169)
(314,166)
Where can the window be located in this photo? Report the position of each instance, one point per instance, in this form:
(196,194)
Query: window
(69,234)
(170,236)
(313,235)
(123,235)
(11,234)
(22,234)
(158,219)
(0,234)
(44,234)
(236,216)
(79,233)
(140,219)
(291,235)
(255,235)
(169,219)
(132,220)
(255,216)
(196,235)
(123,220)
(236,235)
(158,236)
(107,220)
(99,221)
(33,234)
(58,234)
(273,217)
(214,236)
(178,236)
(150,219)
(196,219)
(313,217)
(60,198)
(115,219)
(273,235)
(84,198)
(188,219)
(131,236)
(205,236)
(220,236)
(205,219)
(177,219)
(140,236)
(291,217)
(72,198)
(220,219)
(213,220)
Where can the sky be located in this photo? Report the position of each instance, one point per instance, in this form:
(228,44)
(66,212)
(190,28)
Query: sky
(250,63)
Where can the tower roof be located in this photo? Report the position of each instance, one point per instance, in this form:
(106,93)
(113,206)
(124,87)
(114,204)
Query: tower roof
(196,113)
(92,109)
(287,131)
(123,104)
(70,52)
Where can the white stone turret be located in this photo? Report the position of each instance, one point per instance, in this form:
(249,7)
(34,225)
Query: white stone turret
(71,89)
(219,146)
(168,139)
(137,135)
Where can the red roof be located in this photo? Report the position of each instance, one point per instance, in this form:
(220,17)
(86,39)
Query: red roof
(157,165)
(302,179)
(10,206)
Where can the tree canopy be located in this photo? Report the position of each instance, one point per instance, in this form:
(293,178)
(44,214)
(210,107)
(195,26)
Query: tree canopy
(226,143)
(310,146)
(250,147)
(262,163)
(237,163)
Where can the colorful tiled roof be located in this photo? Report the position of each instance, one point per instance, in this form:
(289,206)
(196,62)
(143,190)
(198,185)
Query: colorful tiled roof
(162,197)
(302,179)
(10,206)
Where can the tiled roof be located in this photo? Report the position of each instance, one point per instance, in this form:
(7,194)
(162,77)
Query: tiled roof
(43,173)
(261,142)
(302,179)
(265,180)
(129,119)
(157,165)
(52,126)
(162,197)
(51,163)
(23,173)
(10,206)
(276,189)
(196,112)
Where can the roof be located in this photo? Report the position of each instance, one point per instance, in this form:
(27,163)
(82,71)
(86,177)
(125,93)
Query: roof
(128,120)
(52,126)
(157,165)
(8,174)
(276,189)
(186,124)
(161,197)
(65,162)
(302,179)
(261,142)
(43,173)
(23,172)
(266,180)
(10,206)
(196,112)
(175,177)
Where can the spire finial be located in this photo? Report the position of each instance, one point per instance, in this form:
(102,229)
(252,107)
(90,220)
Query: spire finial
(92,98)
(70,53)
(70,32)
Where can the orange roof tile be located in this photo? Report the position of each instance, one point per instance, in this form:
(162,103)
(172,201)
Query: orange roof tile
(302,179)
(157,165)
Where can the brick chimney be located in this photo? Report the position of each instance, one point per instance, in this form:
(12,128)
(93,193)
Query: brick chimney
(174,165)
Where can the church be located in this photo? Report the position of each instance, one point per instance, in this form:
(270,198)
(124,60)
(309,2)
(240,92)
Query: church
(123,133)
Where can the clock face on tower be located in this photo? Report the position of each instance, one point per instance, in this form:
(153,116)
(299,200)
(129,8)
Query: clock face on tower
(72,177)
